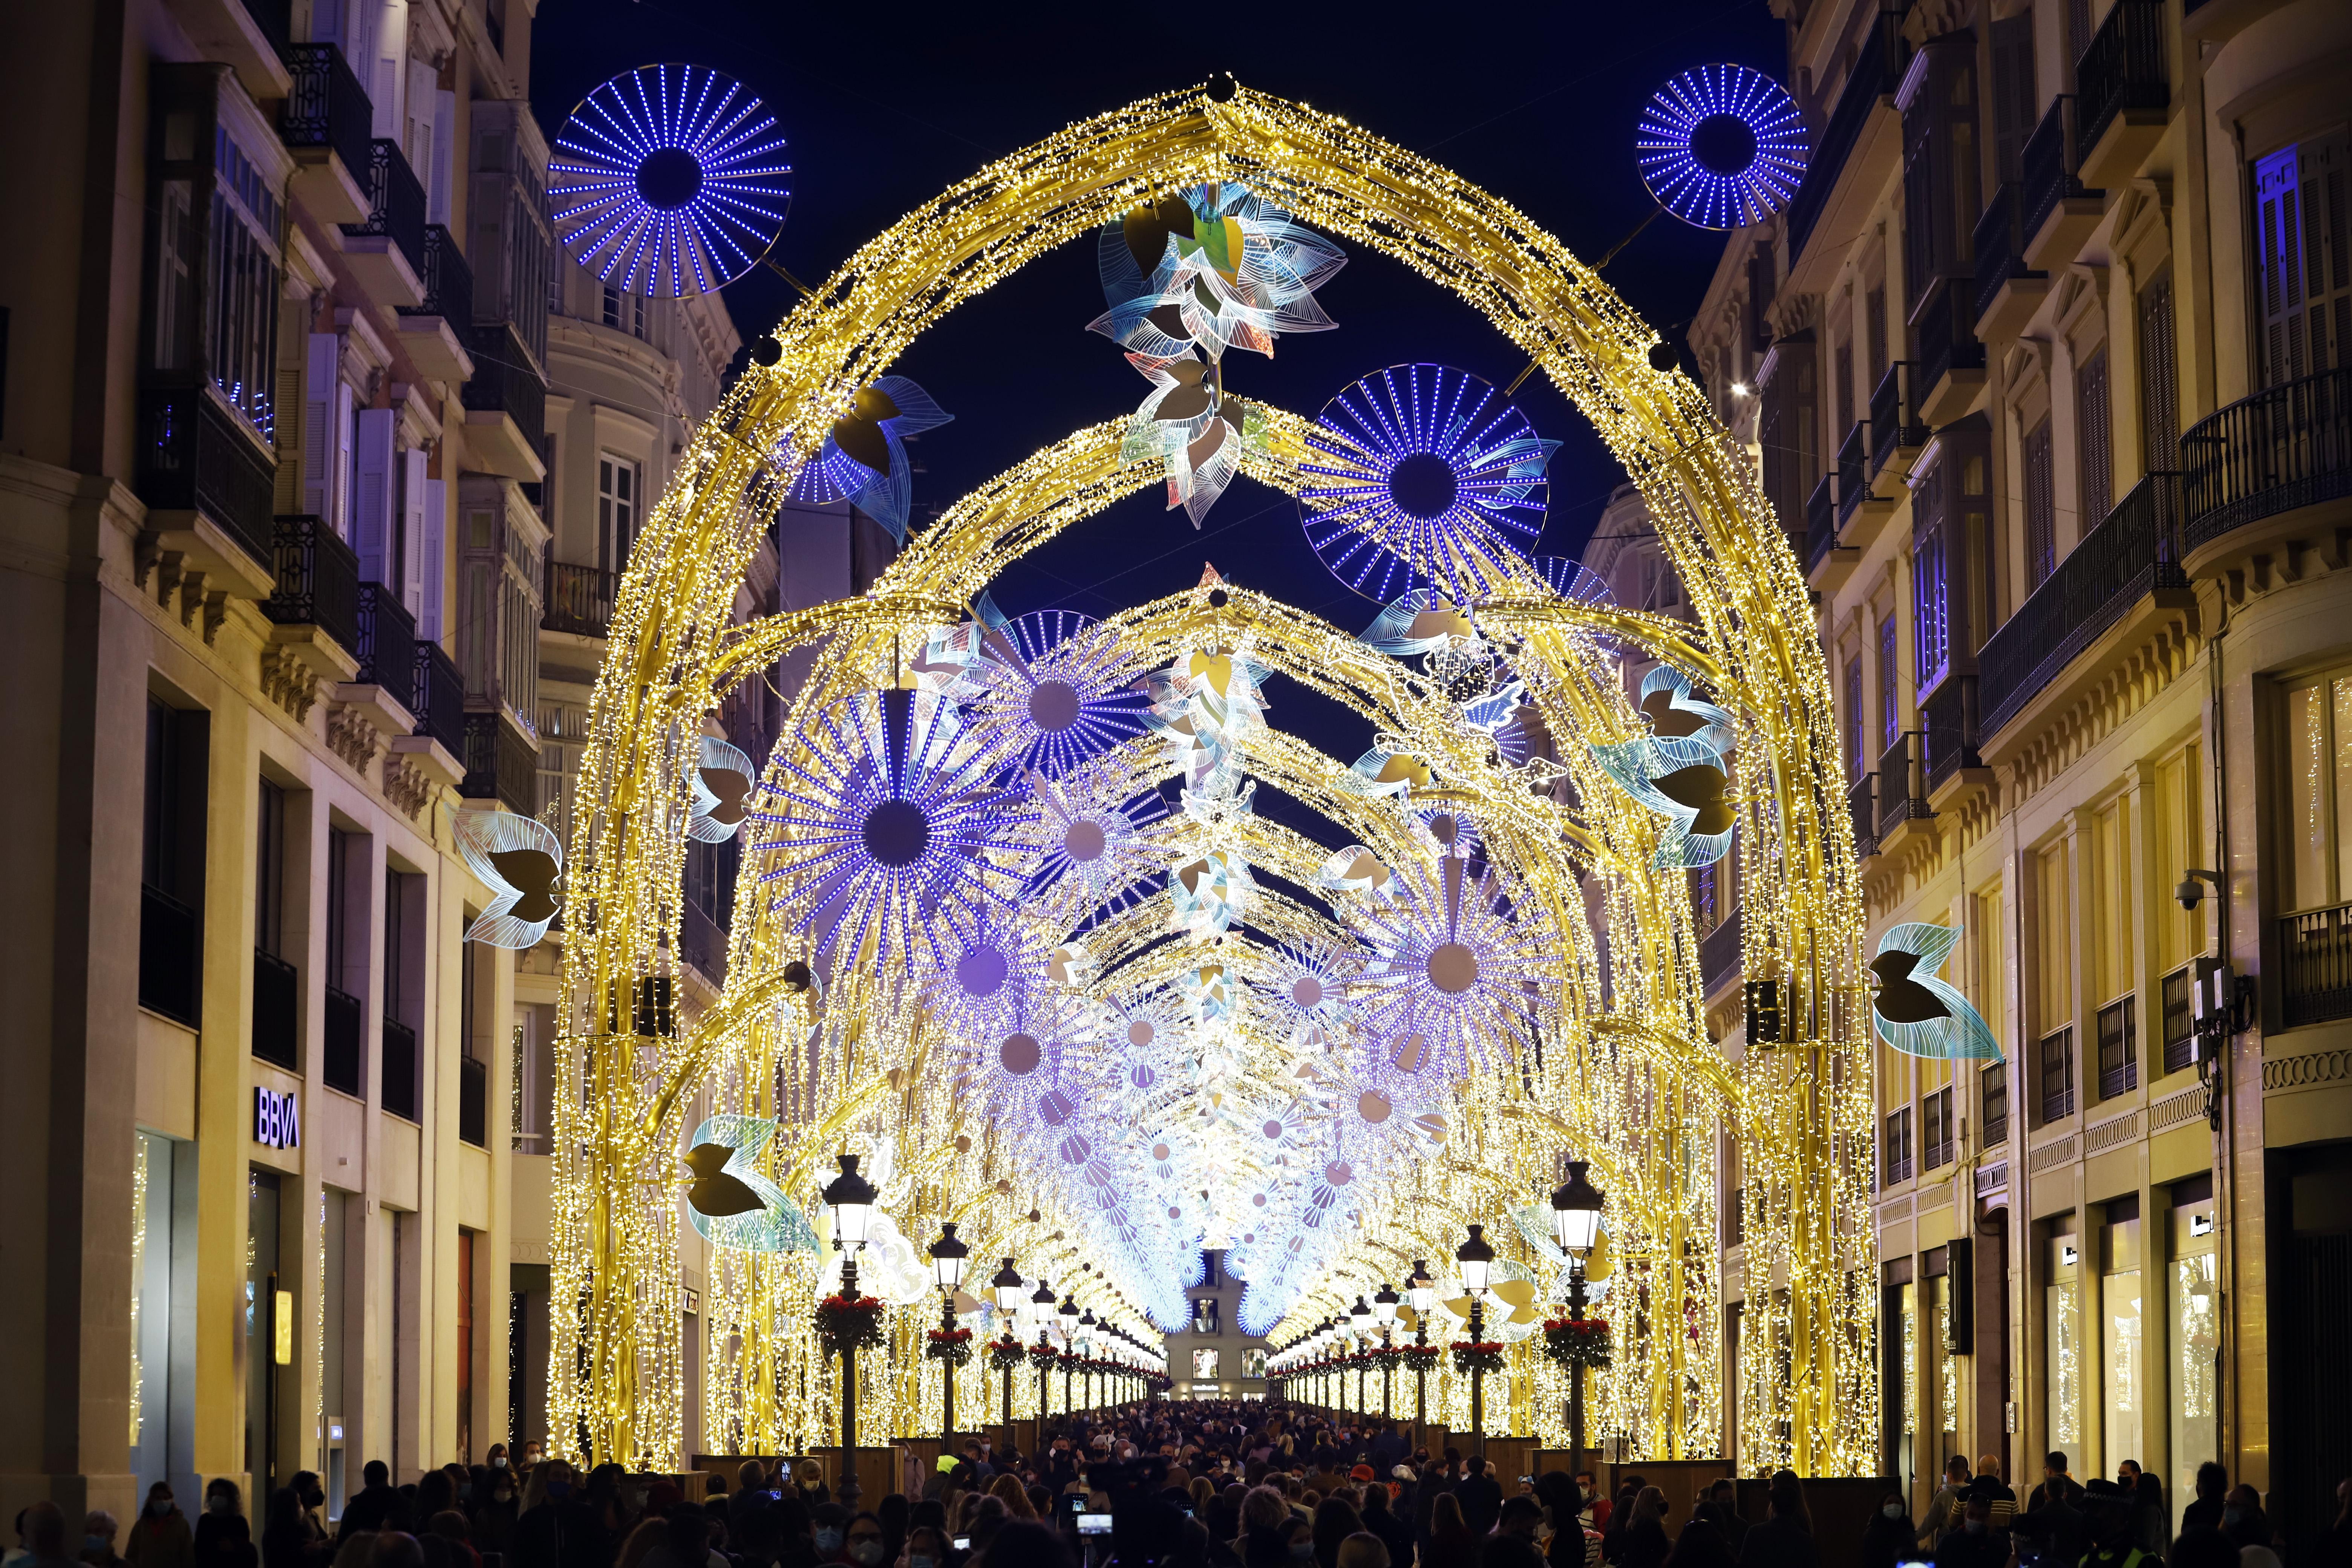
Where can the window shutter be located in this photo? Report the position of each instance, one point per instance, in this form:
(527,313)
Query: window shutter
(372,474)
(445,156)
(2013,93)
(340,481)
(2304,259)
(2159,376)
(2041,508)
(412,530)
(2094,440)
(434,551)
(318,424)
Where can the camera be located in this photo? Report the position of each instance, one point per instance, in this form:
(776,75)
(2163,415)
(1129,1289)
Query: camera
(2189,892)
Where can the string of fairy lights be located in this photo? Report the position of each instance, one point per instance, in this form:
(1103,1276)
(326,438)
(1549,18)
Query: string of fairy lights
(1066,1133)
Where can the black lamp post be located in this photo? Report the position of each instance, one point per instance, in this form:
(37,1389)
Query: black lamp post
(1041,1306)
(851,1197)
(1007,1285)
(1476,1257)
(1360,1325)
(1086,1349)
(1576,1223)
(1069,1316)
(946,1266)
(1424,1291)
(1384,1308)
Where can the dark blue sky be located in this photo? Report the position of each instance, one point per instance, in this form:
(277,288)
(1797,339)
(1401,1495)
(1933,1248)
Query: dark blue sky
(885,105)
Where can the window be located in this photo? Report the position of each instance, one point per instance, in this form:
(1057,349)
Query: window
(172,862)
(1853,767)
(616,509)
(473,1072)
(1204,1316)
(1842,363)
(1992,1096)
(2053,932)
(1931,627)
(2318,825)
(2159,376)
(1952,577)
(1787,422)
(1204,1361)
(1890,724)
(277,993)
(1896,1164)
(1873,309)
(2058,1076)
(2118,1047)
(2016,104)
(1937,1133)
(403,902)
(2304,290)
(2180,1028)
(2095,437)
(2109,898)
(1254,1361)
(1942,196)
(1987,962)
(612,307)
(344,1044)
(2041,508)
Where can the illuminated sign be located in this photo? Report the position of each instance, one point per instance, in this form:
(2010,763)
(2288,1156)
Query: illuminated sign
(277,1119)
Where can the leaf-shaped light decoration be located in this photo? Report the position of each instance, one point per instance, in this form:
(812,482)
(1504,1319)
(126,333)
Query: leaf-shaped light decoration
(864,460)
(1356,869)
(519,859)
(1214,267)
(1914,1012)
(731,1203)
(1384,772)
(1699,819)
(1686,730)
(724,777)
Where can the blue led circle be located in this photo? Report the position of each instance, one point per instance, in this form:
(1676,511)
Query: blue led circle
(1722,147)
(1421,476)
(669,180)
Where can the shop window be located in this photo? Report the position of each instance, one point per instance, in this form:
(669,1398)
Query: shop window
(2195,1403)
(2062,1345)
(2302,248)
(2122,1380)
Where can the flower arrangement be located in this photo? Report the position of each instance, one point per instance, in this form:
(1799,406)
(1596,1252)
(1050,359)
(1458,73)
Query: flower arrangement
(1577,1342)
(1419,1358)
(952,1346)
(1005,1354)
(1477,1355)
(843,1323)
(1043,1354)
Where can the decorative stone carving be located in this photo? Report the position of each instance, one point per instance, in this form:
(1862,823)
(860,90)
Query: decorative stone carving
(406,786)
(287,679)
(352,736)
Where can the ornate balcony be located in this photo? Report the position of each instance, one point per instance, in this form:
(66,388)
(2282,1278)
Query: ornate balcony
(2123,90)
(2315,953)
(2058,214)
(2007,291)
(318,581)
(1896,424)
(1852,477)
(500,765)
(1900,797)
(1952,360)
(2283,448)
(387,644)
(1878,70)
(1948,717)
(207,484)
(1861,799)
(325,122)
(506,404)
(437,330)
(579,599)
(385,250)
(439,700)
(2135,552)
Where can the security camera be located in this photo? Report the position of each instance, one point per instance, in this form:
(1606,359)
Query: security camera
(2190,890)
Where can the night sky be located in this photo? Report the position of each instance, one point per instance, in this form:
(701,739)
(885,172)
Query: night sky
(885,105)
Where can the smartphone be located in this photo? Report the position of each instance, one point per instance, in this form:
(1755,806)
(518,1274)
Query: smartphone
(961,1544)
(1093,1524)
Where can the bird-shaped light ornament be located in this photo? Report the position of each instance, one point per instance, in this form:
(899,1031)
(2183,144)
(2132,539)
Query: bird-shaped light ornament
(1416,622)
(1536,1225)
(1677,770)
(730,1202)
(1515,1303)
(723,780)
(864,458)
(1914,1012)
(519,860)
(1356,869)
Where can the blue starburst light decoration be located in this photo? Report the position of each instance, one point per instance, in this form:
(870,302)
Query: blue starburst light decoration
(1422,476)
(864,458)
(1058,684)
(1722,147)
(669,180)
(887,822)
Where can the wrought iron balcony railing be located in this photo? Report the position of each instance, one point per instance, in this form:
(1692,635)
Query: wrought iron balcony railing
(2123,68)
(2001,238)
(2285,447)
(326,108)
(504,381)
(1947,340)
(1862,804)
(579,599)
(1852,479)
(1820,523)
(318,581)
(439,701)
(2133,552)
(395,202)
(194,457)
(387,645)
(2050,168)
(500,765)
(2315,949)
(1878,70)
(448,281)
(1948,719)
(1895,418)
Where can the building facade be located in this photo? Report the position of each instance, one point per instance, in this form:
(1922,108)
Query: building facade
(2045,370)
(1211,1358)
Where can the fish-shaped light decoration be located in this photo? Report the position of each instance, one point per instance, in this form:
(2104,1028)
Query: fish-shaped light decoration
(730,1203)
(1914,1012)
(519,860)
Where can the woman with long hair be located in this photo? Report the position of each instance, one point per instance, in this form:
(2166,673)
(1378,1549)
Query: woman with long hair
(1450,1543)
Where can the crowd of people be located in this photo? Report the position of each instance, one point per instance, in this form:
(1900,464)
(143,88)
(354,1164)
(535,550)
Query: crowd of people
(1203,1485)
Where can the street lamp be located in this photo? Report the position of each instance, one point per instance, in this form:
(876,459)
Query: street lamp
(1086,1350)
(1069,1316)
(1476,1257)
(1576,1222)
(852,1198)
(1360,1325)
(1384,1308)
(1423,1289)
(948,1256)
(1007,1286)
(1041,1309)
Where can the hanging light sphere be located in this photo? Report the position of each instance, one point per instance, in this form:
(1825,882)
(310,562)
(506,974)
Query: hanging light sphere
(669,180)
(1721,147)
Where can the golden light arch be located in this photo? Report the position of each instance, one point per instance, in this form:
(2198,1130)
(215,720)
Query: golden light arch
(1803,1115)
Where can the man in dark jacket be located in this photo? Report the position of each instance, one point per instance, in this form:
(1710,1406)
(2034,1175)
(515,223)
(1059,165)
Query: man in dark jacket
(2056,1486)
(1513,1544)
(372,1506)
(1720,1508)
(1971,1543)
(1481,1496)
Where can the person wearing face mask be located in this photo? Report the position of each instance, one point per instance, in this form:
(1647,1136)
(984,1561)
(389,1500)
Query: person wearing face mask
(285,1538)
(831,1530)
(98,1532)
(224,1539)
(861,1541)
(496,1457)
(1973,1545)
(494,1512)
(161,1539)
(2244,1520)
(373,1505)
(1888,1539)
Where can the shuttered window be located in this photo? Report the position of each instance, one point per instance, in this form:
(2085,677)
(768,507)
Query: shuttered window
(2304,259)
(2159,374)
(2015,104)
(2041,508)
(1790,412)
(2095,435)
